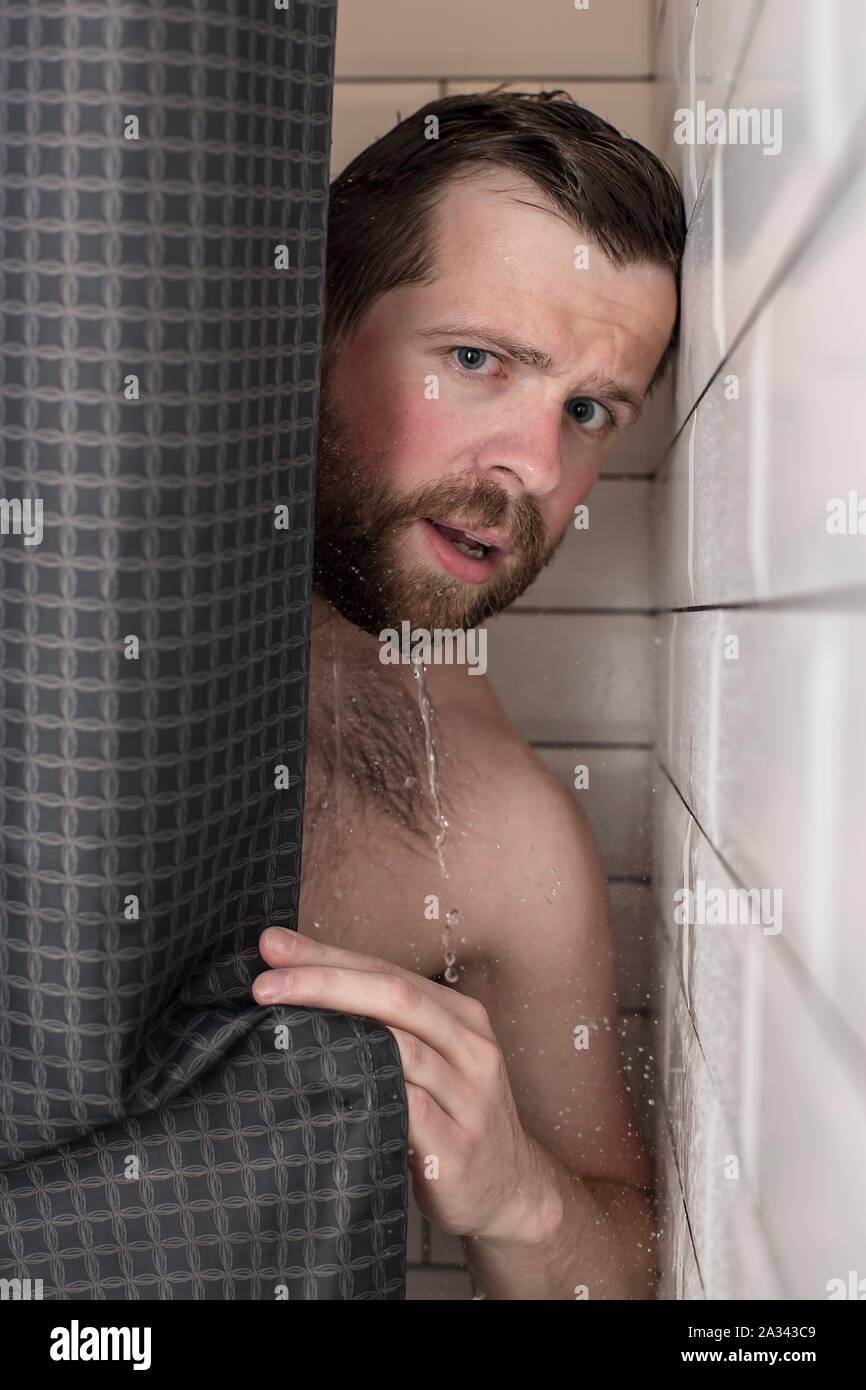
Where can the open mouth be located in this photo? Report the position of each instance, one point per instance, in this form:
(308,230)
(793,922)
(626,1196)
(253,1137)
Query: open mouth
(464,541)
(465,554)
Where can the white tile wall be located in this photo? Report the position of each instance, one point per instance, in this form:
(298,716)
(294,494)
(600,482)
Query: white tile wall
(812,1139)
(633,922)
(630,106)
(675,88)
(688,657)
(775,439)
(495,38)
(762,758)
(640,1067)
(804,60)
(365,111)
(616,801)
(605,564)
(769,751)
(573,677)
(677,1261)
(730,1247)
(807,61)
(699,54)
(720,32)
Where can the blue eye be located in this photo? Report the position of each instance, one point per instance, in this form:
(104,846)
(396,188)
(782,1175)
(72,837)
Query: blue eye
(589,413)
(471,358)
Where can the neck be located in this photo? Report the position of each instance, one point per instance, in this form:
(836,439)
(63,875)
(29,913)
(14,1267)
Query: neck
(335,642)
(328,628)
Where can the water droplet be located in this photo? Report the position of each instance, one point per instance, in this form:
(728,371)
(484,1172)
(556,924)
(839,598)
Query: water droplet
(426,709)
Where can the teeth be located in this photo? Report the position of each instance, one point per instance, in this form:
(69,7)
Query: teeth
(471,545)
(484,547)
(477,553)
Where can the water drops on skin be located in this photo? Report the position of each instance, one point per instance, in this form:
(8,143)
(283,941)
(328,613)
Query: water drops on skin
(425,706)
(451,918)
(451,921)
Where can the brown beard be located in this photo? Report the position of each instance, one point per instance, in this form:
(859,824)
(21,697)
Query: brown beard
(357,564)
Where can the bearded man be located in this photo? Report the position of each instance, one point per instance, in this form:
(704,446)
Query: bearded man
(502,291)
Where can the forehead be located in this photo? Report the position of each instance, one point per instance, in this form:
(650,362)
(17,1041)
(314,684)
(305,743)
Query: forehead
(506,255)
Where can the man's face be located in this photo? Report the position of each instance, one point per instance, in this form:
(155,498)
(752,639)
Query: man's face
(485,403)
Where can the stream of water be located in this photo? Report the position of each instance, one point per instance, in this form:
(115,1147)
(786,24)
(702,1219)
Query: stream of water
(451,918)
(426,708)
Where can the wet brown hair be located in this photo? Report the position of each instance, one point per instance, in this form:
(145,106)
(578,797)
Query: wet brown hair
(611,189)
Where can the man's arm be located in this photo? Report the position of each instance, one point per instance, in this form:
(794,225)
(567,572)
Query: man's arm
(544,973)
(520,1142)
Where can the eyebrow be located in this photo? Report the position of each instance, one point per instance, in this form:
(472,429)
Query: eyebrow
(534,357)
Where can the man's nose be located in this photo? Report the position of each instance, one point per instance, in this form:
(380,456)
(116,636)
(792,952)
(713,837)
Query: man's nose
(524,458)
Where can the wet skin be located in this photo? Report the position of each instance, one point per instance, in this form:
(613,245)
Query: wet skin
(541,1167)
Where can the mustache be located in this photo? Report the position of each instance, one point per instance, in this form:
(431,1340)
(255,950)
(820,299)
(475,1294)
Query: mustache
(478,504)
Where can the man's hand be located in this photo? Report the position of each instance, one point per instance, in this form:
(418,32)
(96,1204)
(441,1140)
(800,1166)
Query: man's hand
(475,1170)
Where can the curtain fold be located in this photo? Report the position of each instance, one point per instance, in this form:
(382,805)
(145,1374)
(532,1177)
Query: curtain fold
(163,213)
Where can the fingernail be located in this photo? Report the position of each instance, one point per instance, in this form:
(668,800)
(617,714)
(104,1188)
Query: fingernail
(280,936)
(271,986)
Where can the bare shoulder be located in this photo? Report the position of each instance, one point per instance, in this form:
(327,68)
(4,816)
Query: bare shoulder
(525,827)
(536,947)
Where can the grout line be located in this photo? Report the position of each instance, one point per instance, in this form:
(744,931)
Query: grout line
(837,1031)
(686,1212)
(588,743)
(850,599)
(751,24)
(831,193)
(555,612)
(751,1177)
(596,79)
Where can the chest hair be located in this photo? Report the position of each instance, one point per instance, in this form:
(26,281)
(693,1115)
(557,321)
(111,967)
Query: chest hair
(366,759)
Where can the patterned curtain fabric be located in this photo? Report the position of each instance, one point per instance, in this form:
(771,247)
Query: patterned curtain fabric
(163,209)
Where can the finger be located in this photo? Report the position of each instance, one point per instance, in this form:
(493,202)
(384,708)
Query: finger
(431,1132)
(278,946)
(422,1066)
(395,999)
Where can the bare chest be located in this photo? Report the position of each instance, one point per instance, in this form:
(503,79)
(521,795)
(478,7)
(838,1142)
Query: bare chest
(379,788)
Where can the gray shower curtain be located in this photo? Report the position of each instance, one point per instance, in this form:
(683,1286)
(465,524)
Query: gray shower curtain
(163,210)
